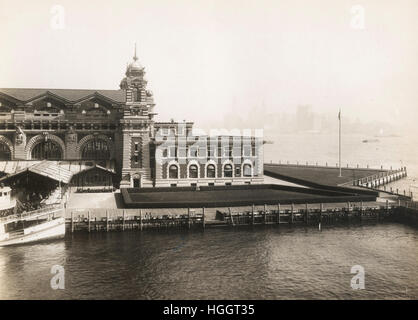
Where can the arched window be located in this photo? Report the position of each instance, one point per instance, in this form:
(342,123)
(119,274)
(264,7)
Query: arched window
(173,172)
(5,153)
(193,171)
(95,149)
(247,170)
(210,171)
(47,150)
(228,171)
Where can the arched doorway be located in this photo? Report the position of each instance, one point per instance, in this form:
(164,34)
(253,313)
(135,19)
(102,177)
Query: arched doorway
(5,153)
(95,149)
(46,150)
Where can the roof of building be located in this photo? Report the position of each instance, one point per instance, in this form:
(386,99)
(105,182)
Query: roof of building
(52,170)
(71,95)
(57,170)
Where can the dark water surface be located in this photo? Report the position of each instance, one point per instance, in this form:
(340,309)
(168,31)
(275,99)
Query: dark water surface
(241,263)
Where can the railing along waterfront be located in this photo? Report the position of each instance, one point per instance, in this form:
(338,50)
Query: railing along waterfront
(50,209)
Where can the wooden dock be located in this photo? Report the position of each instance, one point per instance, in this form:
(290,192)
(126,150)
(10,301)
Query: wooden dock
(94,220)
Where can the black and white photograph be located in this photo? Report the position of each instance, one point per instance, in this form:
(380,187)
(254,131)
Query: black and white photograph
(208,150)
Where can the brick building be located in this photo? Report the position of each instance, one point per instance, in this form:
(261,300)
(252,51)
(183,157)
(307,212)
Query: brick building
(116,130)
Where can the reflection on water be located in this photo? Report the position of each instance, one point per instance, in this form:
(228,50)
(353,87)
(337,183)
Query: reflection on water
(241,263)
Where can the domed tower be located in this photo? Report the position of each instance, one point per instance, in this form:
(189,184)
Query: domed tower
(137,127)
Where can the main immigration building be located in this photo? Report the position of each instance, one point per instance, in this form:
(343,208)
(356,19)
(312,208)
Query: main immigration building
(110,136)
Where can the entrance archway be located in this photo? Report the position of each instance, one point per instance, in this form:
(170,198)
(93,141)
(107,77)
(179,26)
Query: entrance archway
(5,152)
(48,149)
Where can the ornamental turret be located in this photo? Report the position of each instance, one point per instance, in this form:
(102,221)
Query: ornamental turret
(140,100)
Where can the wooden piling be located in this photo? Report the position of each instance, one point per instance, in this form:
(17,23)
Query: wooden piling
(107,220)
(278,213)
(320,212)
(203,218)
(72,221)
(140,219)
(265,213)
(291,213)
(253,214)
(188,218)
(230,216)
(123,220)
(306,214)
(88,220)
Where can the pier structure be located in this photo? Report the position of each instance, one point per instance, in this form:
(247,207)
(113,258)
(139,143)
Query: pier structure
(94,220)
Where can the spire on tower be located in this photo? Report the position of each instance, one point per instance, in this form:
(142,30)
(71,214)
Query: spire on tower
(135,57)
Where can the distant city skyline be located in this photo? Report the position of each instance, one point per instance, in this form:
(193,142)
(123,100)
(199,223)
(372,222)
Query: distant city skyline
(206,59)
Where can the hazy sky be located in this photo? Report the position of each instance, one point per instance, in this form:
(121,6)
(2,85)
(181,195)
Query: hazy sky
(206,58)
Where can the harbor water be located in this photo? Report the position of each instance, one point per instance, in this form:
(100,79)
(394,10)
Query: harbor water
(268,262)
(242,263)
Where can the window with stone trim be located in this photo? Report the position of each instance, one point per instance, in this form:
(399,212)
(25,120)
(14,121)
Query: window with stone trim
(173,172)
(193,171)
(210,171)
(228,171)
(247,170)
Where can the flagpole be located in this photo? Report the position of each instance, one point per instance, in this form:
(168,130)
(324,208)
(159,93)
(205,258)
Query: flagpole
(339,145)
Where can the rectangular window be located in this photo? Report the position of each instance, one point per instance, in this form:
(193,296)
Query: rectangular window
(238,171)
(247,150)
(136,158)
(136,146)
(193,152)
(182,152)
(172,152)
(236,152)
(226,152)
(173,185)
(211,151)
(180,130)
(165,131)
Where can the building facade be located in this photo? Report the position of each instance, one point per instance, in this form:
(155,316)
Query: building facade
(116,129)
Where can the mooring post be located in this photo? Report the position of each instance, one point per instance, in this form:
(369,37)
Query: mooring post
(72,221)
(107,220)
(278,213)
(252,210)
(306,213)
(140,219)
(265,213)
(321,208)
(88,221)
(123,219)
(291,213)
(230,216)
(387,207)
(203,218)
(188,217)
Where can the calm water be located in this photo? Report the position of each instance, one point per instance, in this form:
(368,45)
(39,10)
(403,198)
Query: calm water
(389,151)
(261,263)
(245,263)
